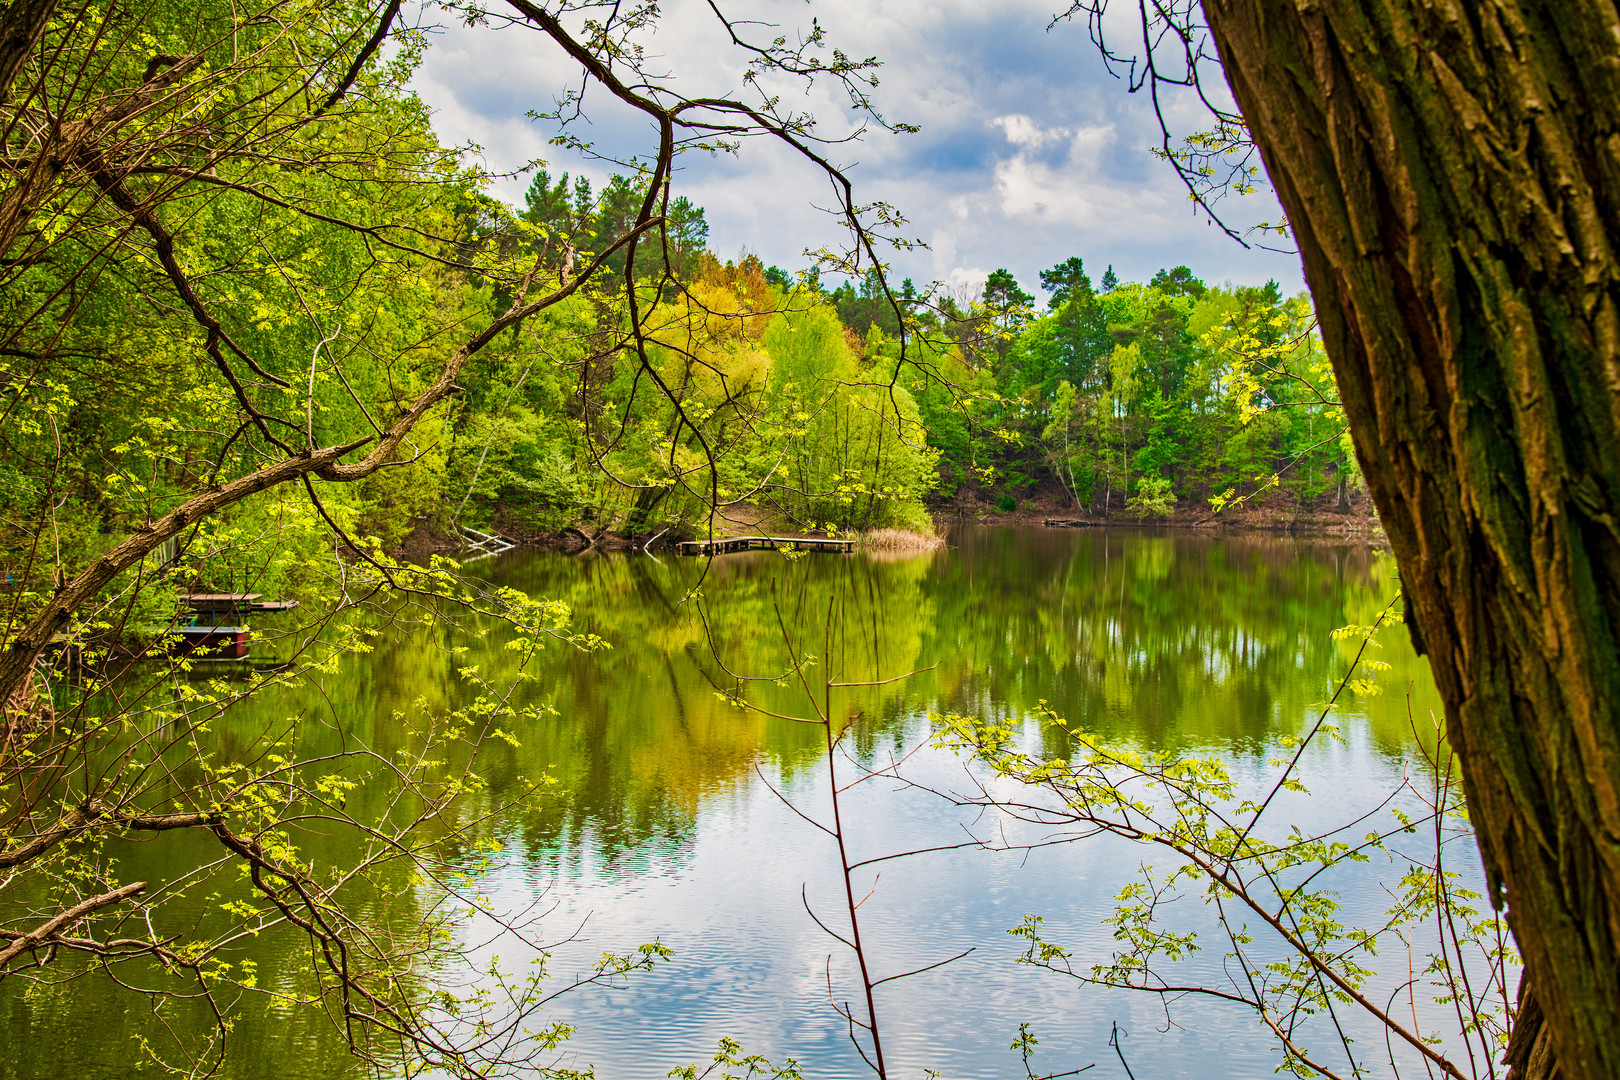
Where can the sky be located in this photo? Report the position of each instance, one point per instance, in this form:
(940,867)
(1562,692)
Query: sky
(1029,150)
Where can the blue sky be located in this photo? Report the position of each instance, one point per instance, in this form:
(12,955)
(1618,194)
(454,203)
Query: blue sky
(1029,152)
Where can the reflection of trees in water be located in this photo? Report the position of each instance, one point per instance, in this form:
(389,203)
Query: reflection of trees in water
(1218,642)
(93,1025)
(640,736)
(1211,641)
(1189,639)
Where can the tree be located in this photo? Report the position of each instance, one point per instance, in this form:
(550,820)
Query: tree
(1449,176)
(862,308)
(1065,280)
(1002,294)
(553,206)
(1178,282)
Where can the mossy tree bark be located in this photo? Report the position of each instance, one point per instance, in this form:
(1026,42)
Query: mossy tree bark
(1452,173)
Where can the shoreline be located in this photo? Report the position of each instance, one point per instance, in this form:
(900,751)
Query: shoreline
(1352,520)
(577,539)
(1343,526)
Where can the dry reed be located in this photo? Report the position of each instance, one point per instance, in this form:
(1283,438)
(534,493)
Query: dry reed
(899,540)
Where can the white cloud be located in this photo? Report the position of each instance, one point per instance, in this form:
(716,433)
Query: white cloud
(943,246)
(1022,131)
(1088,144)
(966,282)
(1074,192)
(1029,151)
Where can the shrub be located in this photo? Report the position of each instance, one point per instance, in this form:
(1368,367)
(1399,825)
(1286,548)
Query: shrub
(1153,498)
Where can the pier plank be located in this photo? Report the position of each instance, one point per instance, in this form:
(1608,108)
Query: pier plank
(727,544)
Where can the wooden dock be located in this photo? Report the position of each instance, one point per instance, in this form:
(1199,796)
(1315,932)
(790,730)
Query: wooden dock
(728,544)
(224,642)
(234,604)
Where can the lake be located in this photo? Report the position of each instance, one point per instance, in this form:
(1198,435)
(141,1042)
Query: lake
(665,824)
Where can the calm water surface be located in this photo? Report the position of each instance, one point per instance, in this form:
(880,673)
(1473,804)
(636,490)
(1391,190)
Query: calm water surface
(661,827)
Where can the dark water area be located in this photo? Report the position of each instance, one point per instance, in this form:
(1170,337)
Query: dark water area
(661,826)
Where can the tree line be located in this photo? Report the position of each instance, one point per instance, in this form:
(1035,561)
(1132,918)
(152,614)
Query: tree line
(1121,399)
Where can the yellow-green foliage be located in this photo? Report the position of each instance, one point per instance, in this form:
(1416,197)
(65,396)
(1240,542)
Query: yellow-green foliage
(853,451)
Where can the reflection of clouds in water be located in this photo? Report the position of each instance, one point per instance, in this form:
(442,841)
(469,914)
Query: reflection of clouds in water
(749,964)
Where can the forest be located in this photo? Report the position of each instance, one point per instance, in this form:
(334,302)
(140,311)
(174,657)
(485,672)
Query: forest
(816,406)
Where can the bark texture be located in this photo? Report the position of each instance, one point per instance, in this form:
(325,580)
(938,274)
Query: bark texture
(1452,171)
(21,24)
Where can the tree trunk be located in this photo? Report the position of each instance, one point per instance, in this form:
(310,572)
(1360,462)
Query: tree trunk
(1530,1054)
(21,25)
(1452,174)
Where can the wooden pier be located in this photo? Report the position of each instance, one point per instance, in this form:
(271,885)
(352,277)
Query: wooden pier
(727,544)
(223,642)
(234,604)
(206,637)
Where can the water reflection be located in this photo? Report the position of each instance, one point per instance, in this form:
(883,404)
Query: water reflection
(658,827)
